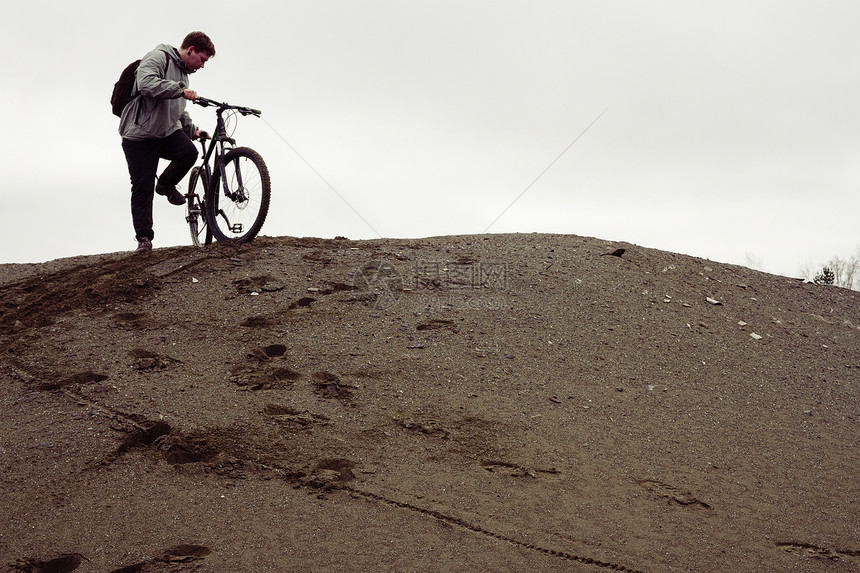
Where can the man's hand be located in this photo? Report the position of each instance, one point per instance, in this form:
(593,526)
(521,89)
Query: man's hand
(201,134)
(189,94)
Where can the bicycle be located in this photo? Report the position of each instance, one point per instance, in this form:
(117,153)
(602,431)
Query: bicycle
(235,189)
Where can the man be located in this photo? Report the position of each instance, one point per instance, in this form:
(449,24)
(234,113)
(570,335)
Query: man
(156,126)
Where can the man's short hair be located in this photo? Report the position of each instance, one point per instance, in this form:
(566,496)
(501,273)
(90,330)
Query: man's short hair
(201,43)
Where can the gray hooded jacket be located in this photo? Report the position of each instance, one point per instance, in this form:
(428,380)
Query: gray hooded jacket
(161,79)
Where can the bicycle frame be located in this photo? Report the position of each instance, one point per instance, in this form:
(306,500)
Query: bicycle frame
(220,139)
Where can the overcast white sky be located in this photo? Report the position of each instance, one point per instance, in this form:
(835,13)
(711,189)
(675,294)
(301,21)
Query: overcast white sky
(729,130)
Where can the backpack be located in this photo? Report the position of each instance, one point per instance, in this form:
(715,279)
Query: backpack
(123,88)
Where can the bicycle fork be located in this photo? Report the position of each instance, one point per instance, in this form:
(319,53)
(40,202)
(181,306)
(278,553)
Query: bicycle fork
(237,196)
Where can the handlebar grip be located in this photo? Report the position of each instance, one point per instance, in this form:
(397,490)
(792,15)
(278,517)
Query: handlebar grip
(206,102)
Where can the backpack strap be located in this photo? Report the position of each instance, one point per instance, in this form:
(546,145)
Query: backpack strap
(166,67)
(166,62)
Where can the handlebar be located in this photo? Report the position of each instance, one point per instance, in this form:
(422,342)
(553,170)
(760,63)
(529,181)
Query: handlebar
(206,102)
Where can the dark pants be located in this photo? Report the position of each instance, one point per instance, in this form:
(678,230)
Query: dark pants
(142,157)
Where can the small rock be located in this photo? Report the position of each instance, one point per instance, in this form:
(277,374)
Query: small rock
(194,280)
(755,336)
(741,323)
(713,301)
(808,412)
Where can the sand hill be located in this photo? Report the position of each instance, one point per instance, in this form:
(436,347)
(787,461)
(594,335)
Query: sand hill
(473,403)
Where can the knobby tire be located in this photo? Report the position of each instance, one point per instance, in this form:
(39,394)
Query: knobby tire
(198,186)
(239,216)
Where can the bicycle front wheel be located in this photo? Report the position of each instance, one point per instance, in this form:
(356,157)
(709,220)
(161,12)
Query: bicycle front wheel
(238,199)
(195,212)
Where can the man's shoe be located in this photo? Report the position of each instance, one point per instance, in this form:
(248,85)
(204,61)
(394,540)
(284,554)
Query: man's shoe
(144,245)
(172,194)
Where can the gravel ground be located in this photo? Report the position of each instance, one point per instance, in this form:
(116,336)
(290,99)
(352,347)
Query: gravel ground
(473,403)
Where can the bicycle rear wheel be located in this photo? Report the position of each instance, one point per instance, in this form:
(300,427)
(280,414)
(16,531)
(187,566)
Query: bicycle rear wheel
(195,212)
(236,206)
